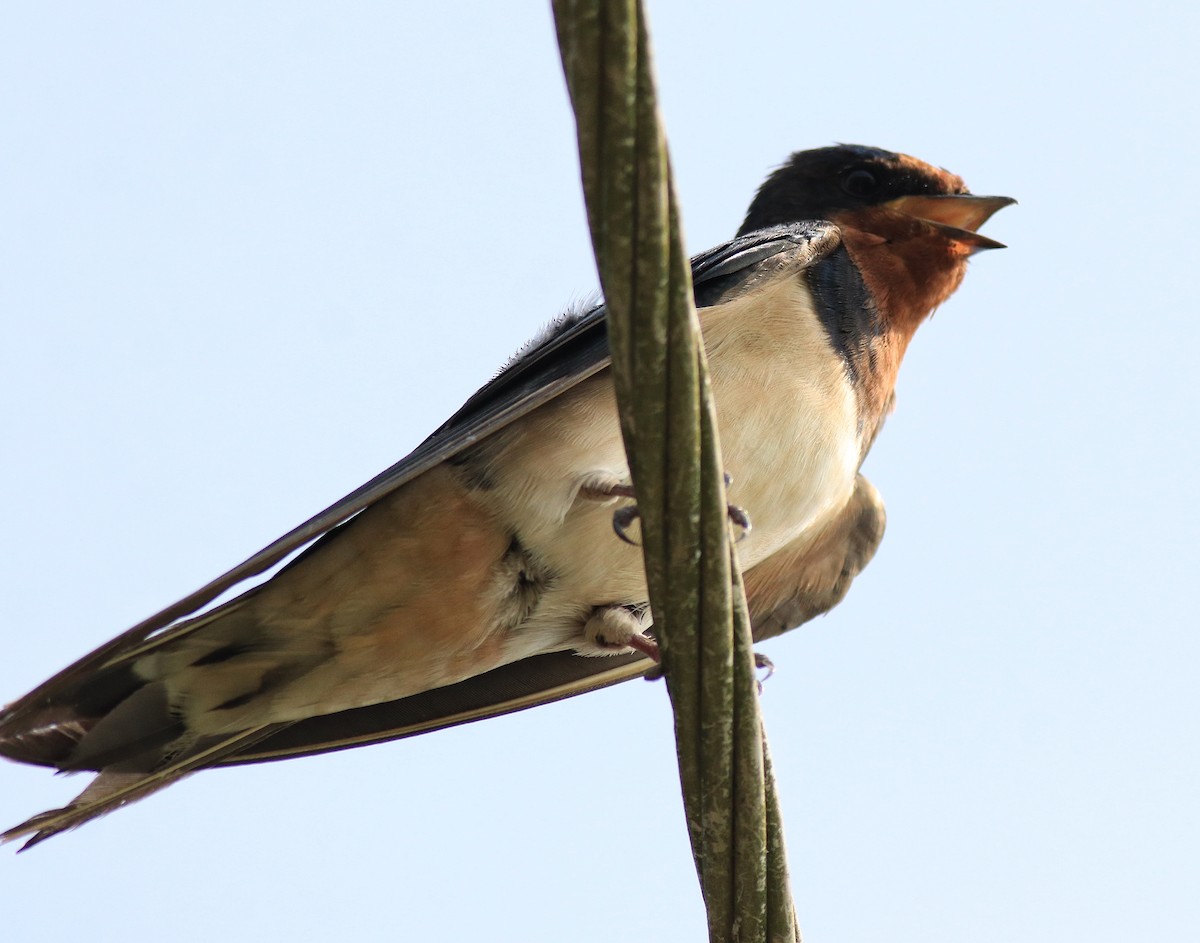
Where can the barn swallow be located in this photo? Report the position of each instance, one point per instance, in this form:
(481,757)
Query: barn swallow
(465,581)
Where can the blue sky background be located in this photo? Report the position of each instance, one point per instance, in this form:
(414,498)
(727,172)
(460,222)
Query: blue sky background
(252,253)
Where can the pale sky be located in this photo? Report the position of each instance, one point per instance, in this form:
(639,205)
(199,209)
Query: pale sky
(252,253)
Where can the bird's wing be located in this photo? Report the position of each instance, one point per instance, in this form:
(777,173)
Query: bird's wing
(794,585)
(808,578)
(570,352)
(530,682)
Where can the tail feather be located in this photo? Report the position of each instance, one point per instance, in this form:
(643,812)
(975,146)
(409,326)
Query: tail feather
(131,733)
(47,732)
(45,738)
(113,789)
(112,719)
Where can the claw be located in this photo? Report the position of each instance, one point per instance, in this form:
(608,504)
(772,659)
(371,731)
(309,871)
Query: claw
(622,518)
(762,661)
(736,514)
(625,516)
(739,517)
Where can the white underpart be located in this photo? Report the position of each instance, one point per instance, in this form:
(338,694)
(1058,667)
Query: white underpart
(789,438)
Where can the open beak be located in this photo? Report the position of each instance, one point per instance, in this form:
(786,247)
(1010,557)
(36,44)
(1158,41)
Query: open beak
(956,215)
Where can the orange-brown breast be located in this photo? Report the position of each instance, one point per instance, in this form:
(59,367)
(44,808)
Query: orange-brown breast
(909,269)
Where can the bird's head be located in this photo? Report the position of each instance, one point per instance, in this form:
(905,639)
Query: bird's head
(909,226)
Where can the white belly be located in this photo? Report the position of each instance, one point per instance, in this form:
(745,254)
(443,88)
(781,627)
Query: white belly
(788,426)
(787,415)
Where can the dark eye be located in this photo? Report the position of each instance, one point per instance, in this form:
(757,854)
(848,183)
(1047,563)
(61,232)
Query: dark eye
(860,183)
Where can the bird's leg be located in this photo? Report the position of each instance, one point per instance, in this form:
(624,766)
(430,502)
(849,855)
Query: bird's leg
(624,517)
(613,629)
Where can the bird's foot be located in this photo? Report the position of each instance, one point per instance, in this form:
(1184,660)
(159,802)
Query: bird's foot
(623,518)
(763,663)
(613,630)
(737,516)
(741,520)
(760,662)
